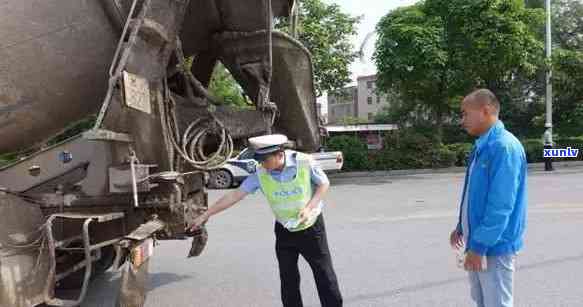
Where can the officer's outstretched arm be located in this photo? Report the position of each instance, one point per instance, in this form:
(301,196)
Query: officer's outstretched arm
(321,190)
(225,202)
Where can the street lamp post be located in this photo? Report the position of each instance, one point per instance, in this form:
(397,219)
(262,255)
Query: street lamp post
(549,89)
(548,136)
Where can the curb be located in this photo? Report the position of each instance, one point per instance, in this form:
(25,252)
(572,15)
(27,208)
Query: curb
(536,167)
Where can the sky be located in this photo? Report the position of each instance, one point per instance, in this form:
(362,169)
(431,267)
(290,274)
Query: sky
(371,11)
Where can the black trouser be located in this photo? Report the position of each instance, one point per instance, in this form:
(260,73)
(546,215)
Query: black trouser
(312,244)
(548,160)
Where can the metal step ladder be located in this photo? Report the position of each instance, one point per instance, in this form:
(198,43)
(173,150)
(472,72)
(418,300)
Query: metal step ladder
(90,251)
(127,41)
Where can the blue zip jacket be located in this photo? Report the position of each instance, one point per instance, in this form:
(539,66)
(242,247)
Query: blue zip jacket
(497,194)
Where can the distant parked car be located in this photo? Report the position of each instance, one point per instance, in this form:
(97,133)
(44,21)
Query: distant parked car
(237,169)
(329,161)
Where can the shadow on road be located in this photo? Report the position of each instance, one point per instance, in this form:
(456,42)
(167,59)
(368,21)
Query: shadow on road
(433,284)
(380,180)
(104,290)
(162,279)
(368,181)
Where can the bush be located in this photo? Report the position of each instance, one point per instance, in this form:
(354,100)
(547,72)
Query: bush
(354,150)
(462,152)
(443,157)
(409,140)
(453,134)
(573,142)
(383,160)
(534,150)
(405,149)
(409,149)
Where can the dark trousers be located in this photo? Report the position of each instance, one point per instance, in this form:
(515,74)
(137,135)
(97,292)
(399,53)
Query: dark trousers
(312,244)
(548,161)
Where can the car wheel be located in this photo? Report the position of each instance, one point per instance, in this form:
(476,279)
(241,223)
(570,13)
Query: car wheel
(221,179)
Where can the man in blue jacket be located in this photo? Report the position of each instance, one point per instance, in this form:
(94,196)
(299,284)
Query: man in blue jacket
(492,214)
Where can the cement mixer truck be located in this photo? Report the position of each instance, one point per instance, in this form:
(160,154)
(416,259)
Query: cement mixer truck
(102,198)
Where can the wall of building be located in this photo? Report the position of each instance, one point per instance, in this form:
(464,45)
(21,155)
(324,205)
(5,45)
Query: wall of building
(361,101)
(370,103)
(342,104)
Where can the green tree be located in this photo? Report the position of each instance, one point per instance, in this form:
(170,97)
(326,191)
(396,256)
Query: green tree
(567,16)
(411,59)
(385,116)
(567,66)
(326,31)
(224,87)
(434,52)
(568,97)
(567,20)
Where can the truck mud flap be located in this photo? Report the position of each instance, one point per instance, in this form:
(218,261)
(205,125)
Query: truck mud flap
(134,285)
(199,240)
(134,276)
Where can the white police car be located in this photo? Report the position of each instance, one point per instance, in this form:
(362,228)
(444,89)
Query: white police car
(237,169)
(234,171)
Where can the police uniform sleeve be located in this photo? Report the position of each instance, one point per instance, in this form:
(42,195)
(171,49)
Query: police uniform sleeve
(251,184)
(317,175)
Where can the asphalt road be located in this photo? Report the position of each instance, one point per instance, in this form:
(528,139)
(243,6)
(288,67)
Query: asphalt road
(388,238)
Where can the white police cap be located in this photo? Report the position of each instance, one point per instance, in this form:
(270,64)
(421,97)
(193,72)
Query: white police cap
(265,144)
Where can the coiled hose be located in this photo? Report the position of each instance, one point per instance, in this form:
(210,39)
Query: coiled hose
(190,146)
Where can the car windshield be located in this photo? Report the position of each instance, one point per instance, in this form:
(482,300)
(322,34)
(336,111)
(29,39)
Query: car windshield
(246,154)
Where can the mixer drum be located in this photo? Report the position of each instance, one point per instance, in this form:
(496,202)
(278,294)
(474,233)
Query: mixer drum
(54,58)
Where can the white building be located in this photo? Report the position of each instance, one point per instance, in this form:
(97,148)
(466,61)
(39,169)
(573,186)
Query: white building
(362,101)
(370,101)
(342,104)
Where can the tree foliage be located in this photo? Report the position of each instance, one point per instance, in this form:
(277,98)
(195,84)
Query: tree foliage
(567,16)
(434,52)
(224,87)
(568,67)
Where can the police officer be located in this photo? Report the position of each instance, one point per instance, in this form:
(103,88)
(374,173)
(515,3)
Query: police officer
(294,188)
(548,144)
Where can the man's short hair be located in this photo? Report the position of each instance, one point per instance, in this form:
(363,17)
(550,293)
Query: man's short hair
(484,96)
